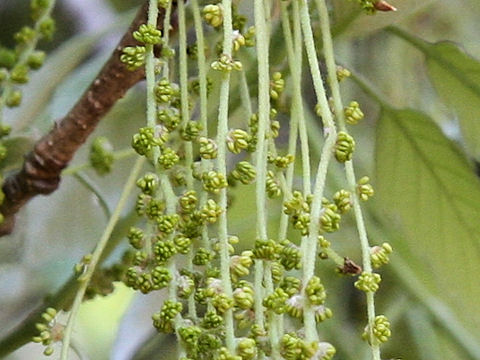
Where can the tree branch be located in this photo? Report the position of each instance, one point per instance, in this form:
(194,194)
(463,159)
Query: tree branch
(41,171)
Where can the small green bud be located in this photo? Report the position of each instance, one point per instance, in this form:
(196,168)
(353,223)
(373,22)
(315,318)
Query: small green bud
(101,155)
(133,57)
(148,34)
(353,113)
(364,189)
(342,73)
(47,28)
(277,85)
(213,15)
(344,147)
(36,60)
(225,63)
(208,148)
(19,74)
(368,282)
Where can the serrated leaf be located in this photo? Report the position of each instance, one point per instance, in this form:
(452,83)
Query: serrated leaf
(425,183)
(456,77)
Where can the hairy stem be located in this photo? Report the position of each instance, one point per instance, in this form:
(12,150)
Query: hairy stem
(350,173)
(310,245)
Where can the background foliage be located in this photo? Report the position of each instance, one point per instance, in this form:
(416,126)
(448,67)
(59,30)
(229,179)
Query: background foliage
(420,139)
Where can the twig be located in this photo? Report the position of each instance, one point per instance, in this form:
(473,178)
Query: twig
(41,171)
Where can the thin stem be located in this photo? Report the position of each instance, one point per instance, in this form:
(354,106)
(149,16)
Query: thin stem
(166,36)
(273,330)
(245,95)
(222,130)
(182,39)
(90,185)
(261,34)
(350,173)
(202,65)
(310,244)
(85,278)
(202,79)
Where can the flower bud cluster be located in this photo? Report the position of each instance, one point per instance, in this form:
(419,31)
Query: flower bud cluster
(48,331)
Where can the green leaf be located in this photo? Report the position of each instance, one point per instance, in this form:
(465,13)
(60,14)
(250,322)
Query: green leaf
(456,77)
(351,21)
(427,188)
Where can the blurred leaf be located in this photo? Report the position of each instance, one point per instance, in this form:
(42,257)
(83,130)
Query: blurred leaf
(43,83)
(58,66)
(351,21)
(17,147)
(427,186)
(456,77)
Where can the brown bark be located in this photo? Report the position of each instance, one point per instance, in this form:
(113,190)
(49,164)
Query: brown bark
(42,168)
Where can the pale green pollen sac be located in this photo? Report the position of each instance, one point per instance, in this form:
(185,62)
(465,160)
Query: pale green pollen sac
(213,15)
(247,348)
(225,63)
(315,291)
(14,98)
(298,210)
(221,302)
(244,172)
(147,138)
(249,36)
(379,255)
(344,147)
(243,297)
(101,155)
(290,256)
(48,331)
(329,217)
(19,74)
(322,313)
(238,40)
(214,181)
(353,113)
(368,282)
(168,158)
(343,73)
(364,189)
(381,331)
(237,140)
(136,237)
(148,184)
(148,34)
(272,185)
(281,162)
(25,35)
(277,85)
(36,59)
(240,264)
(276,301)
(326,351)
(208,148)
(191,131)
(163,320)
(294,306)
(293,347)
(133,57)
(211,211)
(165,91)
(343,200)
